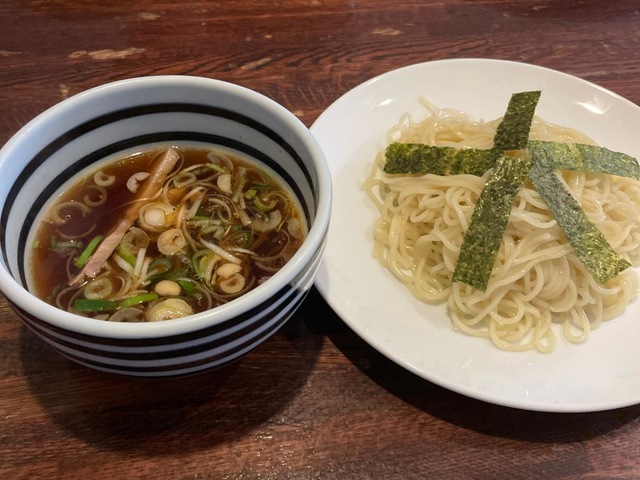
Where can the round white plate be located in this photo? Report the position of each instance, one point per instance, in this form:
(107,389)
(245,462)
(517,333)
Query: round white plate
(601,374)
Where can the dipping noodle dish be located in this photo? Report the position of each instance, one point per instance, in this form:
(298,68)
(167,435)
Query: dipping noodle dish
(164,233)
(516,224)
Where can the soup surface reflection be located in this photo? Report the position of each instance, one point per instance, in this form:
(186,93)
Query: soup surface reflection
(164,233)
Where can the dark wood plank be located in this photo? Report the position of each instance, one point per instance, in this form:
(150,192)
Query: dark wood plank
(314,401)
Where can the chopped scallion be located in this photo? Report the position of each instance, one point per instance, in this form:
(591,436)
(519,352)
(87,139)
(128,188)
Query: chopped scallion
(263,207)
(126,254)
(260,186)
(66,244)
(138,299)
(88,251)
(93,305)
(168,275)
(187,286)
(217,168)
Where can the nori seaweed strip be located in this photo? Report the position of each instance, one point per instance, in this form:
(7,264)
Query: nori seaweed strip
(513,131)
(585,158)
(489,220)
(420,159)
(482,239)
(512,134)
(588,243)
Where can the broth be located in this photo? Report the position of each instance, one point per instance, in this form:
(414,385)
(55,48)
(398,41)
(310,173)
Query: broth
(216,227)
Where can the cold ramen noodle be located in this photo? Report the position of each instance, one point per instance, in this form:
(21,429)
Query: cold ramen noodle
(164,233)
(516,223)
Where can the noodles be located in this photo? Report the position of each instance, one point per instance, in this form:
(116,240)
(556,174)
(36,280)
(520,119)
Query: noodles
(537,280)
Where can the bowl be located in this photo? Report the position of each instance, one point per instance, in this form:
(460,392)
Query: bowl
(83,129)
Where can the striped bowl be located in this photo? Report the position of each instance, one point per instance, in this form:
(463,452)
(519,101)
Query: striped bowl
(117,117)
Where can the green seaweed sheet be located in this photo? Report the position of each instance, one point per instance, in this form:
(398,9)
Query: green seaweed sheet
(489,221)
(482,239)
(587,242)
(584,158)
(512,134)
(421,159)
(513,131)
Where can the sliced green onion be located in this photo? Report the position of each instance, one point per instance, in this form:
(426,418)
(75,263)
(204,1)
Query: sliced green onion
(68,244)
(187,286)
(158,267)
(93,305)
(88,251)
(162,262)
(249,194)
(200,215)
(260,186)
(217,168)
(202,222)
(196,258)
(138,299)
(201,212)
(263,206)
(56,244)
(168,275)
(126,254)
(240,238)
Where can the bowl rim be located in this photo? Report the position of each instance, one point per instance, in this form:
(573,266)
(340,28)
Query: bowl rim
(303,258)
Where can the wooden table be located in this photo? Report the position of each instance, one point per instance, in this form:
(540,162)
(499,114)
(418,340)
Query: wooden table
(314,401)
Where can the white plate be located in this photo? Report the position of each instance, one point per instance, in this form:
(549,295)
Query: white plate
(601,374)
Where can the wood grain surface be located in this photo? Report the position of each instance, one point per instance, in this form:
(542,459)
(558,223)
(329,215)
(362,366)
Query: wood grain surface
(314,401)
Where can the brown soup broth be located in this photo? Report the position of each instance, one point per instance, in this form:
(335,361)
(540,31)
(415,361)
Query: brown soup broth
(219,198)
